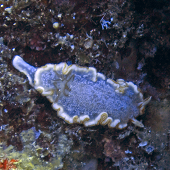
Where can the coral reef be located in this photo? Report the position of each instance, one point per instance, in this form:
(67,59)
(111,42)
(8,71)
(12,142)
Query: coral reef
(125,39)
(32,156)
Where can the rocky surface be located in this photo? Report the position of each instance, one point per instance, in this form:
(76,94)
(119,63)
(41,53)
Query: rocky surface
(121,39)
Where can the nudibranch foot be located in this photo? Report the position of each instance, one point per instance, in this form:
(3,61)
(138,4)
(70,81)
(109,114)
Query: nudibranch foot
(82,95)
(137,123)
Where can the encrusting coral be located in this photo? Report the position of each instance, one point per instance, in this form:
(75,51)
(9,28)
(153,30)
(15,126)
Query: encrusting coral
(81,95)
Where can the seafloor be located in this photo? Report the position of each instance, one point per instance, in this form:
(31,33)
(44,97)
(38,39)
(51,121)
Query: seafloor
(128,39)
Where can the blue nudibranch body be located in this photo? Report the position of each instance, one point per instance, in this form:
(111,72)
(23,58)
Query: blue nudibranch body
(81,95)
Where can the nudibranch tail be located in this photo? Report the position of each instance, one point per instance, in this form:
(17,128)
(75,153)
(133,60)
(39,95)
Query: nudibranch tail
(82,95)
(143,104)
(24,67)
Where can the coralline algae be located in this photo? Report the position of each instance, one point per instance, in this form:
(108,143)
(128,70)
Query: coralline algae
(81,95)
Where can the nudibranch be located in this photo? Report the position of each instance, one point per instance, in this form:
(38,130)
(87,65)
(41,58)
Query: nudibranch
(82,95)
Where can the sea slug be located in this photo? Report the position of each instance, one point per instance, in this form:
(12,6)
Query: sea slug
(82,95)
